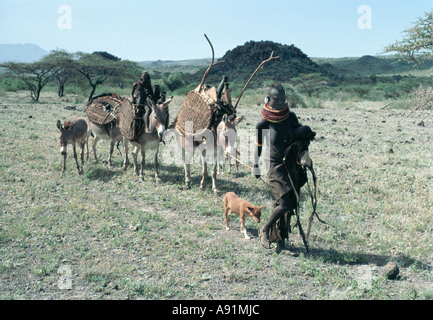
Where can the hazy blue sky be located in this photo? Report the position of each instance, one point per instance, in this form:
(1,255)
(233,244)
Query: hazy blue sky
(173,29)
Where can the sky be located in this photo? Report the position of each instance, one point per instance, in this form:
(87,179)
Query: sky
(149,30)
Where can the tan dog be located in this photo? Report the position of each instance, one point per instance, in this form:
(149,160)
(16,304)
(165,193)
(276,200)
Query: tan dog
(234,204)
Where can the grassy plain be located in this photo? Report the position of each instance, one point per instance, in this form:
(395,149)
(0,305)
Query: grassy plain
(119,237)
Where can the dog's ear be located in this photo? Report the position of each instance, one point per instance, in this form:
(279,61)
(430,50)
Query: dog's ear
(251,209)
(59,125)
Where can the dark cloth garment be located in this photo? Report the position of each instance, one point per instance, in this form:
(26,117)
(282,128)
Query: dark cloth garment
(284,186)
(283,154)
(279,182)
(140,91)
(281,135)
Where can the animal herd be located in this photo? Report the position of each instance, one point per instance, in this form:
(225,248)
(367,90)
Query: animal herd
(78,130)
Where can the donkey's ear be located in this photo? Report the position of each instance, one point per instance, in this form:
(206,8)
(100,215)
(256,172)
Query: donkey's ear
(225,118)
(59,125)
(238,119)
(167,102)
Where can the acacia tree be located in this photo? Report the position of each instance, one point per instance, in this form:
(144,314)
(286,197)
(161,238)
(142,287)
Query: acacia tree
(417,42)
(311,83)
(35,75)
(416,47)
(96,68)
(63,71)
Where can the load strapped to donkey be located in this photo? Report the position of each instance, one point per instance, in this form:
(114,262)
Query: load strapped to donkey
(109,110)
(204,107)
(103,109)
(130,119)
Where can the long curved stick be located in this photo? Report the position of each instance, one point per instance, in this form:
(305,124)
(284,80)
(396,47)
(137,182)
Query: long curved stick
(261,65)
(211,64)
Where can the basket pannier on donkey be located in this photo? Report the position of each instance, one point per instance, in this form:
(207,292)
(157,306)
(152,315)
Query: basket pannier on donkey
(197,121)
(101,114)
(132,125)
(103,109)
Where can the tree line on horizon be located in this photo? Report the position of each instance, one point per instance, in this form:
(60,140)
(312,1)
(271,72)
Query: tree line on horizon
(91,70)
(63,68)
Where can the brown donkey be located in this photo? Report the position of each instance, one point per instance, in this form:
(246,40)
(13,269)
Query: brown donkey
(73,131)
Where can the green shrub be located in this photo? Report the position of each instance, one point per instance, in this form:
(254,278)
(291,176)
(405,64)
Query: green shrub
(12,85)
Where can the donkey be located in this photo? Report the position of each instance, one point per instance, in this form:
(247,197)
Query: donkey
(159,119)
(226,137)
(206,141)
(73,131)
(109,131)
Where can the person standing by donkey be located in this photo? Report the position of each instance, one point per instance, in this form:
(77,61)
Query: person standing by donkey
(284,130)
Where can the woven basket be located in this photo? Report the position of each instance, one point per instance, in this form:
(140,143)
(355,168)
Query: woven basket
(198,108)
(130,125)
(103,108)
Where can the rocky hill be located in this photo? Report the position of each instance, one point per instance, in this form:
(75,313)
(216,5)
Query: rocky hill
(241,62)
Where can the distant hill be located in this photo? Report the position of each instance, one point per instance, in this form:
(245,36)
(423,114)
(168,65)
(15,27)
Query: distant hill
(367,65)
(186,66)
(21,52)
(240,63)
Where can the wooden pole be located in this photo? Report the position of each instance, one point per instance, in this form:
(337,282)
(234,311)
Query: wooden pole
(261,65)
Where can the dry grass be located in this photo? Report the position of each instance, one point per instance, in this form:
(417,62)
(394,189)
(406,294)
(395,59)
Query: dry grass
(123,238)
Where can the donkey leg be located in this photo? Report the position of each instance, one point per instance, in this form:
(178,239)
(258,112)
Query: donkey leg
(143,161)
(204,175)
(214,173)
(126,160)
(76,158)
(111,153)
(82,145)
(95,140)
(64,163)
(87,145)
(134,158)
(214,177)
(156,165)
(186,160)
(204,170)
(187,168)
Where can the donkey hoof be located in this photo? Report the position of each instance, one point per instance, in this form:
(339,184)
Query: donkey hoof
(216,191)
